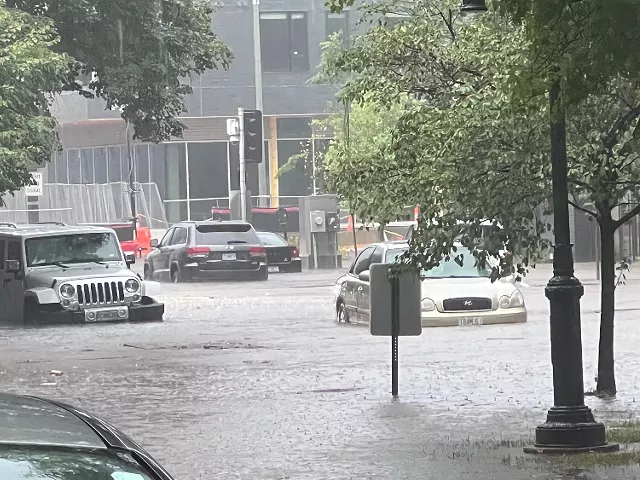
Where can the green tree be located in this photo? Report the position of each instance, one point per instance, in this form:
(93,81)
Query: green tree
(142,53)
(473,145)
(29,71)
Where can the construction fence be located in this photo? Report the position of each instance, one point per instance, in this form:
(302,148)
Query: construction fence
(95,203)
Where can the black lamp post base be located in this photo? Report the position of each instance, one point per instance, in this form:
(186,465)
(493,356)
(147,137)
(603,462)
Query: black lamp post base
(571,430)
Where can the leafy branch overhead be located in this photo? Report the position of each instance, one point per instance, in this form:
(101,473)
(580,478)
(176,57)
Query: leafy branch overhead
(29,70)
(142,53)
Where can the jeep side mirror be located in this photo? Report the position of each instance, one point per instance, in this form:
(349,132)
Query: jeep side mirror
(13,266)
(130,258)
(154,243)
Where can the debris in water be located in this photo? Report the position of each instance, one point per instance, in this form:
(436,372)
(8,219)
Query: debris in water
(55,373)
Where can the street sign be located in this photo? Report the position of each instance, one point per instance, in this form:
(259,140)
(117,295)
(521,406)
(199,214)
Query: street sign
(34,190)
(380,303)
(394,309)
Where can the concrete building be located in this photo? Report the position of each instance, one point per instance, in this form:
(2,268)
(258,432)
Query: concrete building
(197,172)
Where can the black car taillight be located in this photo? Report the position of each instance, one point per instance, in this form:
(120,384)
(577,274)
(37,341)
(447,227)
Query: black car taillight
(257,251)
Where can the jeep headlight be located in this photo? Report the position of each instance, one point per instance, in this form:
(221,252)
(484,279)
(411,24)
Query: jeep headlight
(67,290)
(132,285)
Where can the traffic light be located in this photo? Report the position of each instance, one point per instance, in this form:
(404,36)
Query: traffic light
(253,143)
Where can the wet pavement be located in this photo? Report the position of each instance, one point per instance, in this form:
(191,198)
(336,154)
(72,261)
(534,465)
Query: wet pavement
(257,380)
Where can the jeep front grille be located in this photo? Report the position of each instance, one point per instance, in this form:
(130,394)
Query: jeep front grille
(100,293)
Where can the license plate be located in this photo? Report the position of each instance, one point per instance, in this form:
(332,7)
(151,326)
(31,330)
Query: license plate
(228,256)
(469,321)
(273,269)
(93,315)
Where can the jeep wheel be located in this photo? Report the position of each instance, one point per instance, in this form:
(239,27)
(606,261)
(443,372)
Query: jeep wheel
(30,313)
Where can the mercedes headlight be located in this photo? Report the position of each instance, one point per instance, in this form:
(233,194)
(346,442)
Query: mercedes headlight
(132,285)
(428,305)
(67,290)
(516,300)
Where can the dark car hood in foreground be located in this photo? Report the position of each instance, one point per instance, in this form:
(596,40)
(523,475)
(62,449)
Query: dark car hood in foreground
(34,421)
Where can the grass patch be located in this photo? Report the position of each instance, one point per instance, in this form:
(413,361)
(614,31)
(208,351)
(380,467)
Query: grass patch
(594,460)
(626,432)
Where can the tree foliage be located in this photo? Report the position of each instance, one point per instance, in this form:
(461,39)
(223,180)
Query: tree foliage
(462,134)
(142,53)
(472,144)
(29,69)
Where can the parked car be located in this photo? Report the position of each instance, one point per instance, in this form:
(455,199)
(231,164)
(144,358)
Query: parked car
(281,257)
(204,250)
(452,295)
(45,439)
(54,273)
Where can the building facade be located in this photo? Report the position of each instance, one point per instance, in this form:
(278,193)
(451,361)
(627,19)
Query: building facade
(197,172)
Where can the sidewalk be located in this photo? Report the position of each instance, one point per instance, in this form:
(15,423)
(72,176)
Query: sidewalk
(585,272)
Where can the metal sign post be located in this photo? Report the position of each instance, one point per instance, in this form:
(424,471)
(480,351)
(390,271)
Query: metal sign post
(394,309)
(243,177)
(395,330)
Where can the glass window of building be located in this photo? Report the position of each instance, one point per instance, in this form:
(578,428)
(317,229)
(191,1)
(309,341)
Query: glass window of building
(100,164)
(175,188)
(338,23)
(115,164)
(75,166)
(284,42)
(142,163)
(294,127)
(208,177)
(86,157)
(298,181)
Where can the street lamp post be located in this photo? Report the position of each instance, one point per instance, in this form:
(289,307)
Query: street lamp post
(570,426)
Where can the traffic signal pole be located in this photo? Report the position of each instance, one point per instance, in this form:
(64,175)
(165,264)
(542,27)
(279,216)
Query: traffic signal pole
(243,176)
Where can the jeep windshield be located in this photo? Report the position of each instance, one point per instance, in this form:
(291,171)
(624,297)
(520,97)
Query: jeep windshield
(72,248)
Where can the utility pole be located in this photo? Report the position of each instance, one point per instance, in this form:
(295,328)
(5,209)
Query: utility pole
(243,176)
(257,57)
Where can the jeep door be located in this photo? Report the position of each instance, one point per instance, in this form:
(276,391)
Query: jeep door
(4,295)
(13,282)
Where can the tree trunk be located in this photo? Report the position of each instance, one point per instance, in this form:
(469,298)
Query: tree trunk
(606,385)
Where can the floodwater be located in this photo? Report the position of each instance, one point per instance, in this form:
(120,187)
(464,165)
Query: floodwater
(257,380)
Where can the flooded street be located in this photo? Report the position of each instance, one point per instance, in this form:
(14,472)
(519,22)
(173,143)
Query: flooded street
(257,380)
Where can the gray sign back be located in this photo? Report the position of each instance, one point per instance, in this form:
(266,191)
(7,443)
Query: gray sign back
(380,302)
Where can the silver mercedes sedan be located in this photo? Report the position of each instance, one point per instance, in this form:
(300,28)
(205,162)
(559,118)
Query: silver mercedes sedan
(452,295)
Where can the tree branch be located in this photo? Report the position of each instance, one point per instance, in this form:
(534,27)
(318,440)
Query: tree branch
(626,217)
(581,184)
(583,209)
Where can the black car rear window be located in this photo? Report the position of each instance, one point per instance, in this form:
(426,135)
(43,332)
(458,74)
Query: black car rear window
(272,239)
(221,234)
